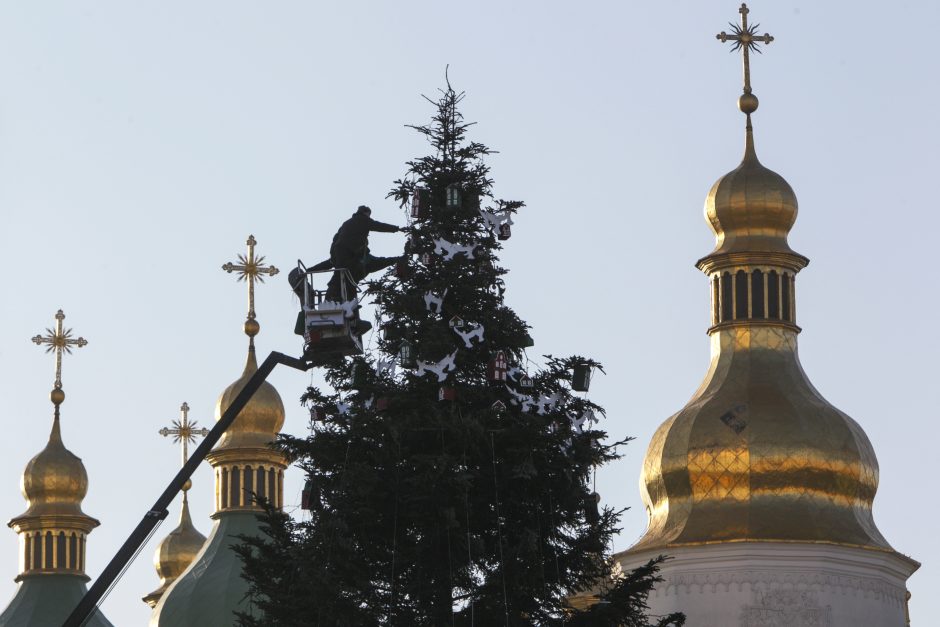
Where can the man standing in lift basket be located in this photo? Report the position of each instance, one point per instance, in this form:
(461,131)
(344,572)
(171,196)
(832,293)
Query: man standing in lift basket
(350,250)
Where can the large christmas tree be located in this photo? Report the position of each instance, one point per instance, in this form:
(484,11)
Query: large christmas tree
(447,483)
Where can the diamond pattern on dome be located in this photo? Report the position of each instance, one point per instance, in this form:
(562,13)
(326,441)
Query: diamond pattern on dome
(720,474)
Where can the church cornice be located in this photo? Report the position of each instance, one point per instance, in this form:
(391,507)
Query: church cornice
(50,522)
(717,262)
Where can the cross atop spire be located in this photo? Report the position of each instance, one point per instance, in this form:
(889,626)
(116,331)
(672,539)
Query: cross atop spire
(745,38)
(184,432)
(59,340)
(250,269)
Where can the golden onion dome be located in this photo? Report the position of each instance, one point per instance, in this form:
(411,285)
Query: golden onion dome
(55,481)
(759,455)
(751,209)
(262,418)
(175,553)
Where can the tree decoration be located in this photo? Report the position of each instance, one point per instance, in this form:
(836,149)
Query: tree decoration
(547,404)
(525,382)
(456,322)
(499,407)
(581,377)
(403,269)
(524,401)
(498,368)
(420,203)
(591,512)
(495,221)
(505,231)
(475,333)
(447,394)
(427,260)
(440,368)
(309,497)
(433,302)
(317,413)
(407,355)
(454,197)
(385,365)
(450,250)
(579,420)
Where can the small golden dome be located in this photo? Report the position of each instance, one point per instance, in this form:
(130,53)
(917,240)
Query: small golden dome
(751,209)
(55,481)
(175,553)
(262,418)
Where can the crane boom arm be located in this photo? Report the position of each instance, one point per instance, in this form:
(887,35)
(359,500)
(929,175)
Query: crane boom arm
(139,536)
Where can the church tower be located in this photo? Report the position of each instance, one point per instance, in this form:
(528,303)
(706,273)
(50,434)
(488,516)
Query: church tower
(178,550)
(212,588)
(53,529)
(759,489)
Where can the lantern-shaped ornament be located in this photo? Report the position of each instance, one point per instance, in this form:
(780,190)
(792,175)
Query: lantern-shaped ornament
(447,394)
(317,414)
(453,197)
(381,403)
(498,368)
(402,269)
(505,231)
(526,382)
(407,355)
(420,203)
(499,407)
(309,498)
(581,379)
(357,374)
(456,322)
(592,512)
(427,259)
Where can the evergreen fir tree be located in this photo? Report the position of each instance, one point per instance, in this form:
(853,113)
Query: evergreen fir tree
(448,492)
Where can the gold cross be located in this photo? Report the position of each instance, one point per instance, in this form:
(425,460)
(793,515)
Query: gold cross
(745,38)
(61,341)
(250,269)
(184,431)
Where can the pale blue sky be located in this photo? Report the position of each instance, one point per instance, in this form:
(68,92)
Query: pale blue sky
(140,144)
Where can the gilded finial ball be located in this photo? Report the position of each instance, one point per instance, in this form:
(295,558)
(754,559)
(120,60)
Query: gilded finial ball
(252,327)
(187,485)
(57,396)
(747,103)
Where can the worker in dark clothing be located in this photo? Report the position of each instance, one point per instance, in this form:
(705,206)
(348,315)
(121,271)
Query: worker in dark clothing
(350,251)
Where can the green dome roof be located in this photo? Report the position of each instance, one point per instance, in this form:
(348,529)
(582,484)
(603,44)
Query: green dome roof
(215,574)
(48,600)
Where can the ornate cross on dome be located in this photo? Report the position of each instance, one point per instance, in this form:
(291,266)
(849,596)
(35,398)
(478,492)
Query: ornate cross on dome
(745,38)
(249,269)
(60,341)
(184,431)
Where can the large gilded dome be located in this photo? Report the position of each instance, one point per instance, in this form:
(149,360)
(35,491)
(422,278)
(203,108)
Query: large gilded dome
(759,455)
(262,418)
(55,481)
